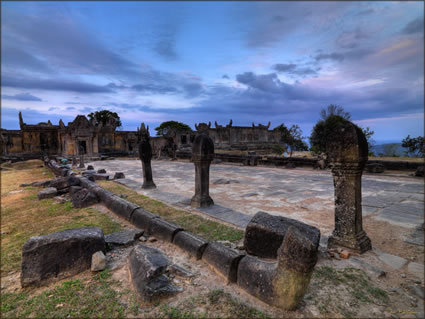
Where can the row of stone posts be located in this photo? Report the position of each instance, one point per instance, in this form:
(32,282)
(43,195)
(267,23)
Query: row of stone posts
(347,152)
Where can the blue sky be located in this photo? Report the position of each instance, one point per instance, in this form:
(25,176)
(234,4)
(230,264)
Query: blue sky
(215,61)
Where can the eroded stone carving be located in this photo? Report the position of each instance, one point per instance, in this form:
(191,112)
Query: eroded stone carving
(145,153)
(202,155)
(347,152)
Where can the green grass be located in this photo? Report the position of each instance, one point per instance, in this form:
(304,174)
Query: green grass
(72,298)
(208,229)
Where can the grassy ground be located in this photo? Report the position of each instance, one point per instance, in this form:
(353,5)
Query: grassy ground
(24,216)
(206,228)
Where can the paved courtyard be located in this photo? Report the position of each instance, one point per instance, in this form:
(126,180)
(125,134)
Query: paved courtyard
(239,192)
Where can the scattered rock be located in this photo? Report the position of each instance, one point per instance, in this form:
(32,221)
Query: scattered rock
(101,171)
(49,192)
(417,291)
(119,175)
(123,238)
(147,267)
(142,239)
(59,199)
(59,255)
(98,261)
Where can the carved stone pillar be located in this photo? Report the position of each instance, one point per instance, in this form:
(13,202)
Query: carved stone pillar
(347,151)
(145,154)
(81,161)
(202,155)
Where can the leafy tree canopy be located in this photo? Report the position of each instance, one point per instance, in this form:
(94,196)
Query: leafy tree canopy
(165,127)
(333,109)
(292,137)
(104,116)
(415,145)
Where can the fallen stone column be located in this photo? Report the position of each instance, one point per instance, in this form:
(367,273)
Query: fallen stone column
(145,154)
(202,155)
(348,153)
(282,283)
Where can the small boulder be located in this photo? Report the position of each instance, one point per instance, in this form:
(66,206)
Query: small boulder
(119,175)
(90,167)
(84,198)
(101,171)
(49,192)
(98,261)
(419,171)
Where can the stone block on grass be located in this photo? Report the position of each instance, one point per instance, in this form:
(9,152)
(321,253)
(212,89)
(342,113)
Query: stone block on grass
(142,218)
(83,198)
(59,255)
(48,192)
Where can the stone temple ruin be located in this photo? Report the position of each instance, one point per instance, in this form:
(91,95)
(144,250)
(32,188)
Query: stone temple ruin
(280,253)
(84,137)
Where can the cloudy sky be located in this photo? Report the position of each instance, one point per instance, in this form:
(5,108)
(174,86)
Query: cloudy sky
(215,61)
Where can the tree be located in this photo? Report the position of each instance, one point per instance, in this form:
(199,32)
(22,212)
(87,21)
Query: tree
(370,142)
(292,137)
(389,150)
(104,117)
(321,131)
(415,146)
(165,127)
(333,109)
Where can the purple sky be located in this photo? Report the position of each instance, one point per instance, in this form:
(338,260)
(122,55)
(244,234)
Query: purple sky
(215,61)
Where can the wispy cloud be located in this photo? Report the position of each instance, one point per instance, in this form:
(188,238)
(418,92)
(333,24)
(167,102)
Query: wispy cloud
(21,97)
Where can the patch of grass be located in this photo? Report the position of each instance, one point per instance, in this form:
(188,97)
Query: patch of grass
(24,216)
(72,298)
(208,229)
(350,282)
(214,304)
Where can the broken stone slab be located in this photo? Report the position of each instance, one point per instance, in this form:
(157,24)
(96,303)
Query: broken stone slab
(417,290)
(190,243)
(123,238)
(98,261)
(163,230)
(393,261)
(88,172)
(147,267)
(101,171)
(59,255)
(100,177)
(119,175)
(83,198)
(142,218)
(371,269)
(37,184)
(74,189)
(49,192)
(416,269)
(282,283)
(179,271)
(265,233)
(223,259)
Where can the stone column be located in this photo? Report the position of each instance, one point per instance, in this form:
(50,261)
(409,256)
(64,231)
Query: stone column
(347,152)
(202,155)
(81,161)
(145,154)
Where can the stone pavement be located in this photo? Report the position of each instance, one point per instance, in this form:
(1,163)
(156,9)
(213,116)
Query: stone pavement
(239,192)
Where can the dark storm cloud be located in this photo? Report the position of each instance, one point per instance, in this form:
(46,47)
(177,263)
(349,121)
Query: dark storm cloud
(21,97)
(53,85)
(69,46)
(293,69)
(414,26)
(330,56)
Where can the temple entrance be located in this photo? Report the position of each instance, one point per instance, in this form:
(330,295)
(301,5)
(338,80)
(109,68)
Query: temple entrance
(82,147)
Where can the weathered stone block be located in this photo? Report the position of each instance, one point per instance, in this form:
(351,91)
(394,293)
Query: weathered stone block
(124,237)
(194,245)
(223,259)
(48,192)
(163,230)
(73,181)
(375,168)
(265,233)
(141,218)
(59,255)
(83,198)
(419,171)
(147,266)
(90,167)
(119,175)
(100,177)
(59,183)
(74,189)
(101,171)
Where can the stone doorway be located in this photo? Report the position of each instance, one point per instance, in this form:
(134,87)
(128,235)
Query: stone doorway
(82,147)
